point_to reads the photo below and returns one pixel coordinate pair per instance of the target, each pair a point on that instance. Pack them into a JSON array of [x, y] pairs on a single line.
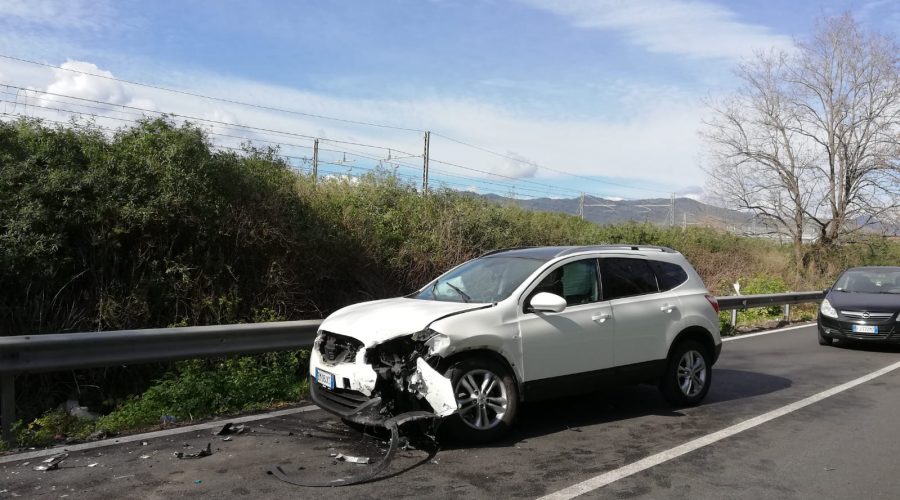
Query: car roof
[[552, 252], [875, 268]]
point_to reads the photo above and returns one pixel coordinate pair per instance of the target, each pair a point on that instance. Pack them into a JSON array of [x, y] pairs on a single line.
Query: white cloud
[[516, 166], [74, 84], [696, 193], [88, 87], [697, 29]]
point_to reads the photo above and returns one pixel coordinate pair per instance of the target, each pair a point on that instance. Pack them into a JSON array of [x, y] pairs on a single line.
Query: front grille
[[874, 316], [341, 401], [339, 348]]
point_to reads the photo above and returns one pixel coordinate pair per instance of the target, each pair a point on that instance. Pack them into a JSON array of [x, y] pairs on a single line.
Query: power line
[[212, 98], [326, 117], [537, 165], [545, 188], [558, 188], [196, 118]]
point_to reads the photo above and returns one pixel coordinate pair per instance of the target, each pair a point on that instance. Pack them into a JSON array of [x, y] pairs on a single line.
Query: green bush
[[198, 389]]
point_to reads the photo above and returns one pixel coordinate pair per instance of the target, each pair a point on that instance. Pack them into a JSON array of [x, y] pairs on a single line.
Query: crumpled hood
[[380, 320]]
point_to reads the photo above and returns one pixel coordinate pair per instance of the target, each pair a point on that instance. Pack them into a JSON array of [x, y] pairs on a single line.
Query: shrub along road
[[840, 445]]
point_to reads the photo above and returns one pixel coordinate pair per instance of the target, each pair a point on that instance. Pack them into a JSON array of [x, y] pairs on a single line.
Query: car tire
[[476, 420], [688, 366], [823, 340]]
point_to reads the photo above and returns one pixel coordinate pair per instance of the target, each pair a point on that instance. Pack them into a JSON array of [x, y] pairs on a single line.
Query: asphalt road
[[844, 445]]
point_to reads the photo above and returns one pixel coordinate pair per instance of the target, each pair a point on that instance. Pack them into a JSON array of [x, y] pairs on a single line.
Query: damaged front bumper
[[368, 386]]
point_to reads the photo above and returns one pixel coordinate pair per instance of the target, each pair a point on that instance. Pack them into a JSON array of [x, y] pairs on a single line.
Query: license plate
[[325, 378], [865, 329]]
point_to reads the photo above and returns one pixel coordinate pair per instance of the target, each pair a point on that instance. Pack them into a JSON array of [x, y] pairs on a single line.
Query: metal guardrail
[[734, 302], [74, 351]]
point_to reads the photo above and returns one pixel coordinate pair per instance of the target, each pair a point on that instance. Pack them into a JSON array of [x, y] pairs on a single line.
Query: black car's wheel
[[688, 374], [823, 340], [487, 397]]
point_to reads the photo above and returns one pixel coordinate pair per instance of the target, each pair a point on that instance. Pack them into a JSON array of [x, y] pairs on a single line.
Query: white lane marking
[[757, 334], [152, 435], [606, 478]]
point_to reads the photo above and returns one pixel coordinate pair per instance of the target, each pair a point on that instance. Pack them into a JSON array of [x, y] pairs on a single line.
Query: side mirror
[[548, 302]]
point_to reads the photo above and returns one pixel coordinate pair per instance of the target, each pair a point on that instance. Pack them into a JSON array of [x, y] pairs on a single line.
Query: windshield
[[484, 280], [869, 281]]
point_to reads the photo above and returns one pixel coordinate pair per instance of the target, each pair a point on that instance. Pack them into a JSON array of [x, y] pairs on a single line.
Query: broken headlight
[[424, 335], [435, 342]]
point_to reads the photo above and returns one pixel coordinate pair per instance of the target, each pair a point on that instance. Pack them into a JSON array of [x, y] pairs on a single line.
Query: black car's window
[[869, 281], [576, 282], [668, 275], [626, 277]]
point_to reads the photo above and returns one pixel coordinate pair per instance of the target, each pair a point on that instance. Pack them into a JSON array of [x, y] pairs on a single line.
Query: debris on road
[[97, 436], [144, 457], [393, 425], [353, 460], [200, 454], [226, 438], [230, 428], [93, 464], [51, 463]]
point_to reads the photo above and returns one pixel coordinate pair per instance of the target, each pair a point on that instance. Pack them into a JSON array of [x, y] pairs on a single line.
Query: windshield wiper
[[461, 293]]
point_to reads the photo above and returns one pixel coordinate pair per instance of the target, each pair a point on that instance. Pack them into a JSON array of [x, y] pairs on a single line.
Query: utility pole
[[670, 212], [425, 164], [582, 204], [672, 215], [315, 165]]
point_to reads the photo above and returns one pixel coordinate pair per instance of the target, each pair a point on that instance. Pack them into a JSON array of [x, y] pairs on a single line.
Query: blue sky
[[610, 90]]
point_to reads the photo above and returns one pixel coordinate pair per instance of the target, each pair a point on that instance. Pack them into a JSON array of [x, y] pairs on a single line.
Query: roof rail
[[588, 248], [498, 250]]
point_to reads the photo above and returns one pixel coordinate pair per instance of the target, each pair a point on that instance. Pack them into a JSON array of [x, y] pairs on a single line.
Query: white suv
[[519, 325]]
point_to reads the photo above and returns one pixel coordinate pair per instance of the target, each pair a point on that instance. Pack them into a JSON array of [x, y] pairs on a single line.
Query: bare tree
[[810, 139]]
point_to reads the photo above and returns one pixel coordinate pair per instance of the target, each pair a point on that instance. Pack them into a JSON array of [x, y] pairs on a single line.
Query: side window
[[626, 277], [576, 282], [668, 275]]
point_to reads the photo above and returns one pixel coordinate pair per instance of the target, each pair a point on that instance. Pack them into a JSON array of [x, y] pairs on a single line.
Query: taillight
[[713, 302]]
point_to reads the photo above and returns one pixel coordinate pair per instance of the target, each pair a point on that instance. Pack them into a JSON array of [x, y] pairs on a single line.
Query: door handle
[[667, 308], [600, 318]]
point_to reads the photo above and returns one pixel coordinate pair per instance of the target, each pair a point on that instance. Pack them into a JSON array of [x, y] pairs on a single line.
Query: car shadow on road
[[625, 403]]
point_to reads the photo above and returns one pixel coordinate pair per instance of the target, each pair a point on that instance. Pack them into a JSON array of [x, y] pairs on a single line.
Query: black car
[[863, 305]]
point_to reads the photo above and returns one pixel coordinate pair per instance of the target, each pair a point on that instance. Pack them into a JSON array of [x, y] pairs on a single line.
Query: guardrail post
[[733, 318], [787, 313], [7, 405]]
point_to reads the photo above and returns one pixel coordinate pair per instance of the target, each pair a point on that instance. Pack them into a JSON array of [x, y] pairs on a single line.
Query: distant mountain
[[655, 211]]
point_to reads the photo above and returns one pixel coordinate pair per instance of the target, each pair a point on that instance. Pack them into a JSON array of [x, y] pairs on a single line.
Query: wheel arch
[[445, 363], [698, 334]]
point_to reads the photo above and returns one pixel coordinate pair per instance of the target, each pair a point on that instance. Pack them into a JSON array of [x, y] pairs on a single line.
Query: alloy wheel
[[691, 373], [482, 399]]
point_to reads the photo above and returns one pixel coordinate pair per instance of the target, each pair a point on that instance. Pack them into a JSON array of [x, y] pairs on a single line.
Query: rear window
[[668, 275], [626, 277]]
